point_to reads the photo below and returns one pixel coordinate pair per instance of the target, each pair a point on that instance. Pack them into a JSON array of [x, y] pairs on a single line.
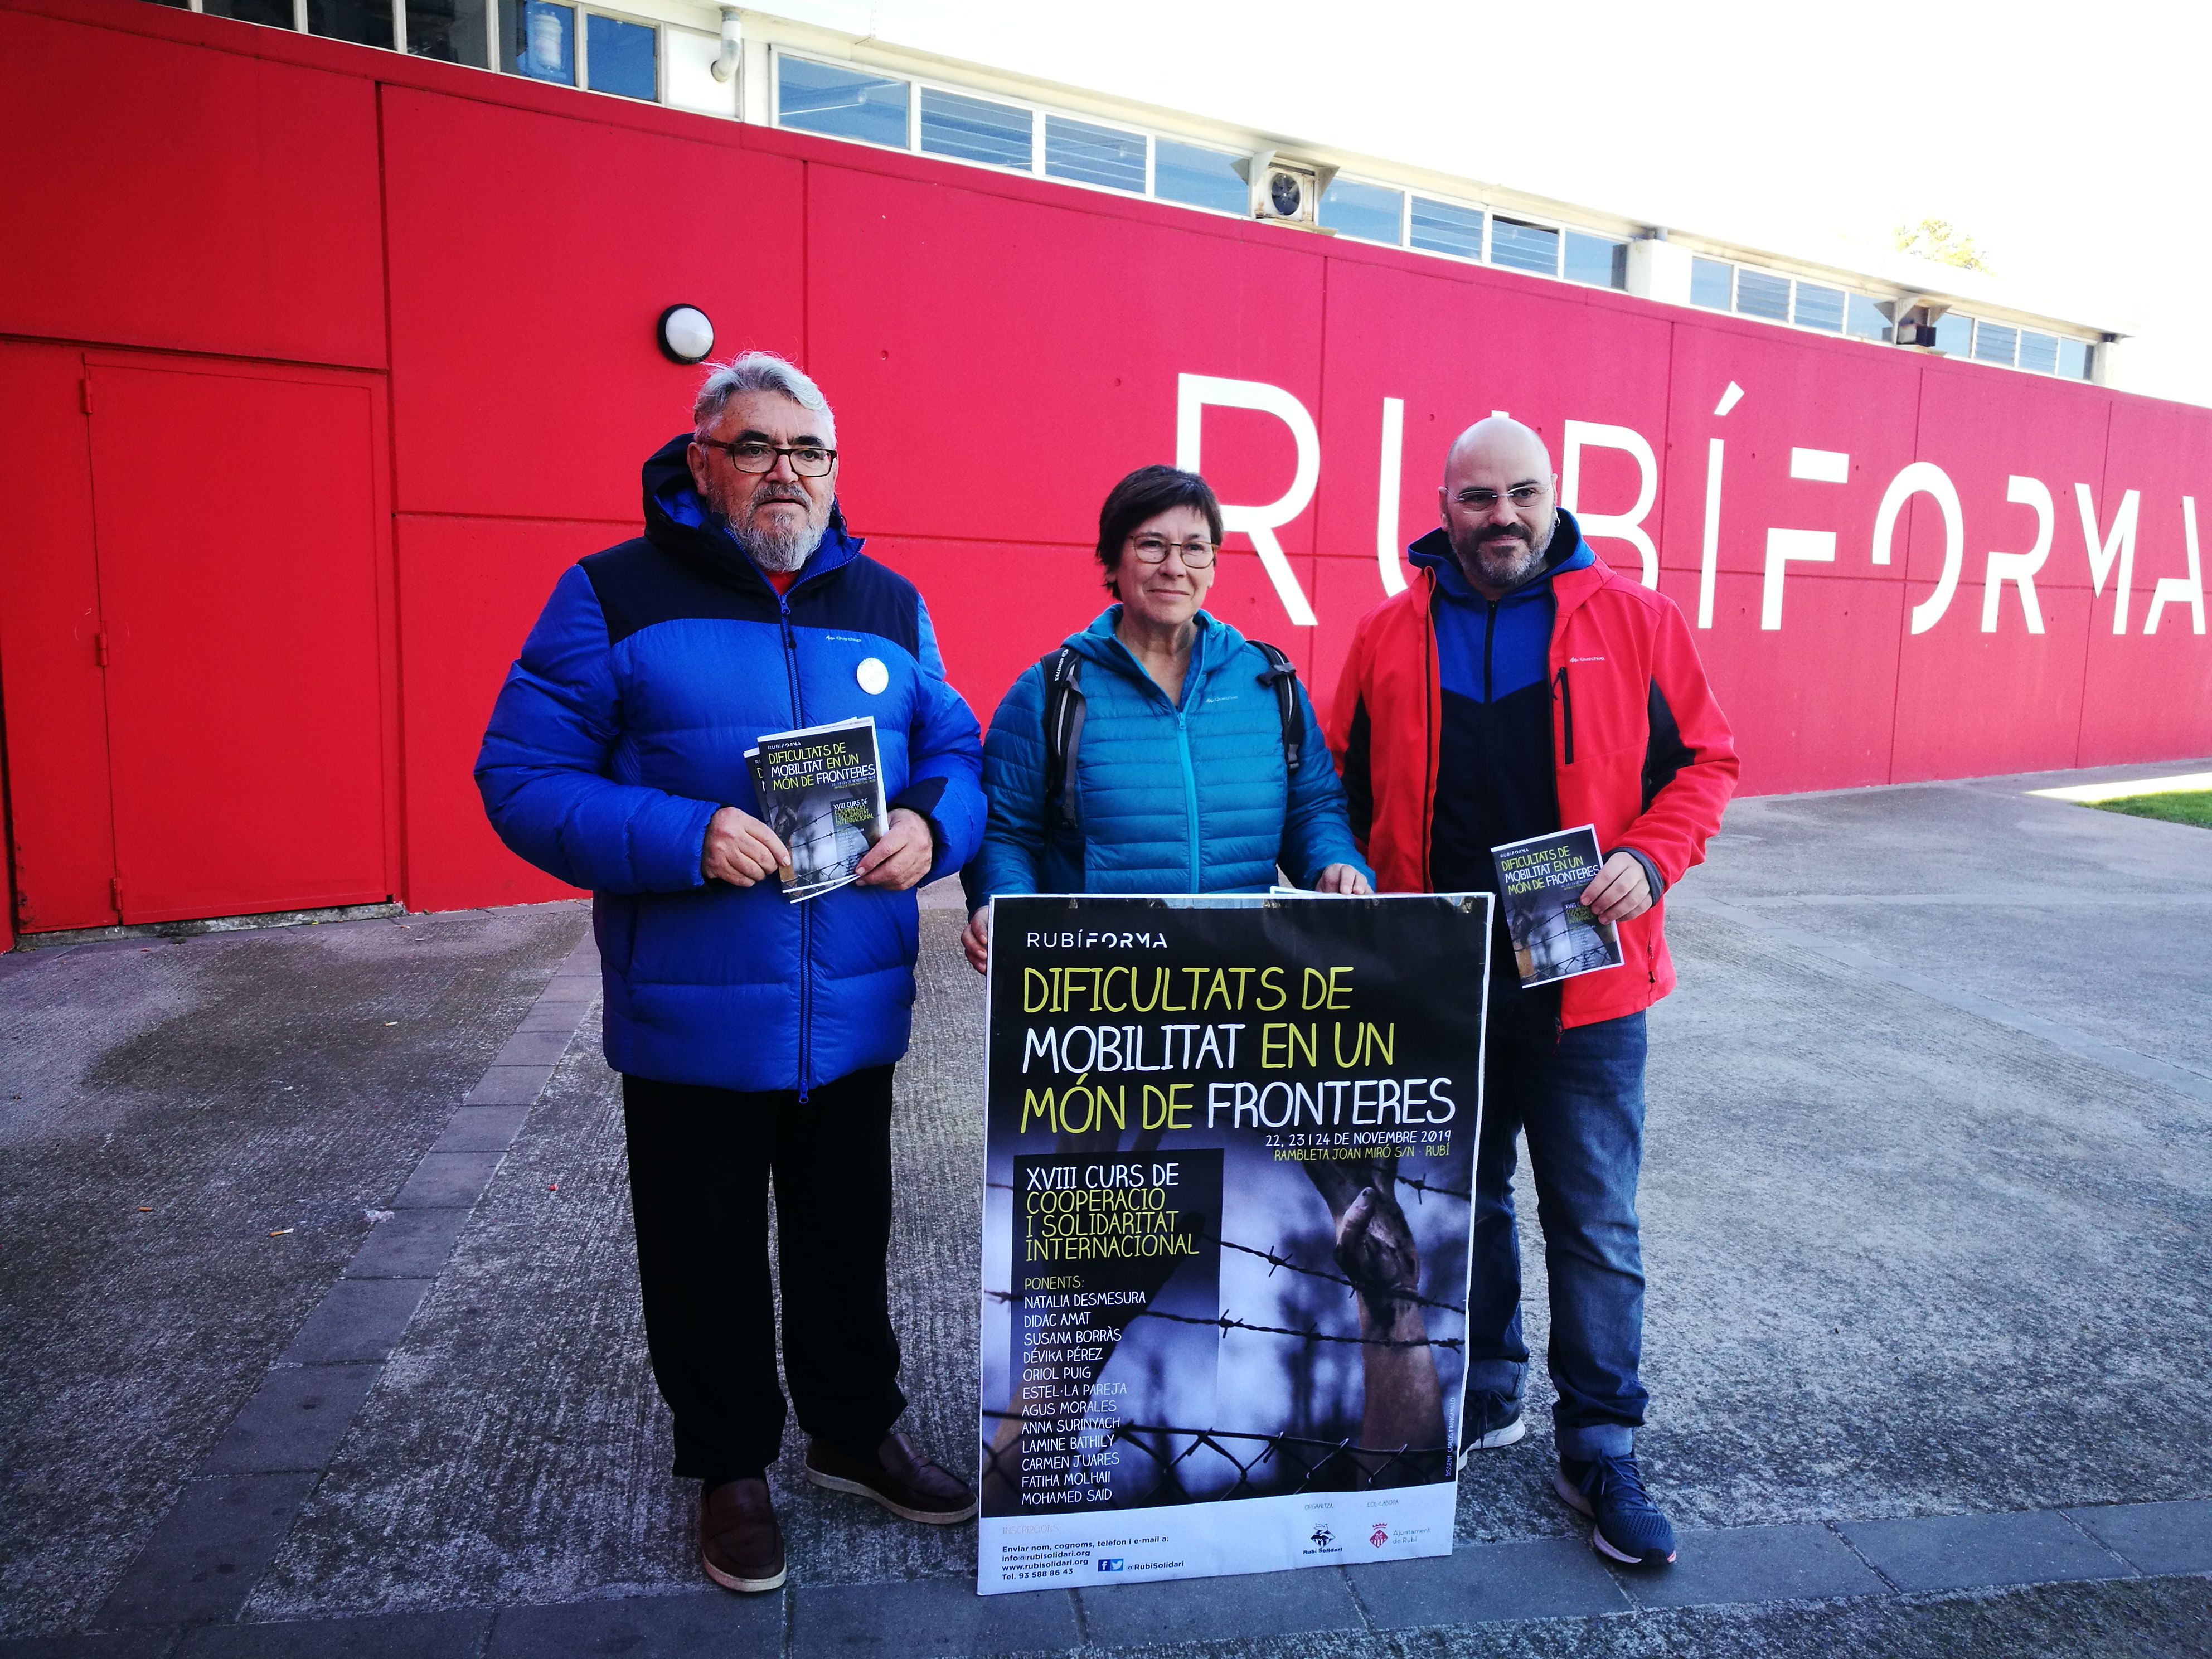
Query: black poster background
[[1234, 1350]]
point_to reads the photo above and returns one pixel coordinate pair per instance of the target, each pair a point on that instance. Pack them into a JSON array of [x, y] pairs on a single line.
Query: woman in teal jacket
[[1180, 781]]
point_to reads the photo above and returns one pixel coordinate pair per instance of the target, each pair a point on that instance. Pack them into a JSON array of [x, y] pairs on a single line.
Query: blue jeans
[[1579, 1095]]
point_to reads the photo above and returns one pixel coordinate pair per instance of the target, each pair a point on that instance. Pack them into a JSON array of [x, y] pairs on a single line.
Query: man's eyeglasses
[[1526, 495], [752, 455], [1197, 553]]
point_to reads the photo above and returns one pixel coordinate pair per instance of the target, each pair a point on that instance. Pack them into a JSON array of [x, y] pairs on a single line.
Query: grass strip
[[2184, 807]]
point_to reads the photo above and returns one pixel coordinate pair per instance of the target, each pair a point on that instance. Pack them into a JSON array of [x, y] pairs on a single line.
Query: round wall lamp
[[685, 334]]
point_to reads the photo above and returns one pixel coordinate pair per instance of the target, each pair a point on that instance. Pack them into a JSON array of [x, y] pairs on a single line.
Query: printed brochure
[[1553, 937], [821, 790]]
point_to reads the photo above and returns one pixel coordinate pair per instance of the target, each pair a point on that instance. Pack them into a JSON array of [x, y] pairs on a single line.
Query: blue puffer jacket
[[623, 728], [1193, 797]]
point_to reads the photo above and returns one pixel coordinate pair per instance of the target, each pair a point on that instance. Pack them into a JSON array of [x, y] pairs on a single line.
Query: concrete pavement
[[1929, 1172]]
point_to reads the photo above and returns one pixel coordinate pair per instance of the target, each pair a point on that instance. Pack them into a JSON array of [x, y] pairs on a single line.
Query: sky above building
[[2067, 141]]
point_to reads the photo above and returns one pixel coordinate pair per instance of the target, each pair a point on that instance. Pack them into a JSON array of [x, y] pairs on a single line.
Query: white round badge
[[873, 676]]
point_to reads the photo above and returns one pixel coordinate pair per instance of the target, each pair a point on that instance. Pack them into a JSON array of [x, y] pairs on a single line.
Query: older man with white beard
[[756, 1037]]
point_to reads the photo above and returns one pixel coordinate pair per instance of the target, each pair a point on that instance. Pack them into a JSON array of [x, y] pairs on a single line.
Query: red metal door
[[236, 516]]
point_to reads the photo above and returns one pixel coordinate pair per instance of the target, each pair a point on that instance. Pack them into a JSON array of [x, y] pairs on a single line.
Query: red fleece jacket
[[1639, 749]]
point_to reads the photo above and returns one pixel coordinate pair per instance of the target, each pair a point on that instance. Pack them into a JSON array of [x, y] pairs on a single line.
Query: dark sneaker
[[1610, 1491], [1490, 1420], [739, 1543], [901, 1478]]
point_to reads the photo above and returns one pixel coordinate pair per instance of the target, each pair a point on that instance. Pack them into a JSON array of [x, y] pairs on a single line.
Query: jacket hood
[[1568, 551], [680, 524]]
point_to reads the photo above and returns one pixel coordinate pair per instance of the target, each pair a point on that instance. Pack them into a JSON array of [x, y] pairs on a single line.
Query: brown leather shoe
[[902, 1479], [739, 1543]]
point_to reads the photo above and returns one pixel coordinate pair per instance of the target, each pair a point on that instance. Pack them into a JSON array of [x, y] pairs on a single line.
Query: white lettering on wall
[[1387, 480], [2119, 542], [1192, 393], [2182, 590], [1925, 479], [1627, 527], [1785, 547], [2020, 569], [1709, 556]]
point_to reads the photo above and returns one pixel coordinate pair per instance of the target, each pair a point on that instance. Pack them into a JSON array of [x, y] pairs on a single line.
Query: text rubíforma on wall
[[1227, 1164]]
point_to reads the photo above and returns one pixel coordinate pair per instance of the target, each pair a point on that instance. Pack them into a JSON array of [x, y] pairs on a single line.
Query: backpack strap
[[1283, 674], [1063, 727]]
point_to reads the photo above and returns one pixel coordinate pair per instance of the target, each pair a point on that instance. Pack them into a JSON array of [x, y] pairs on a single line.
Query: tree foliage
[[1943, 242]]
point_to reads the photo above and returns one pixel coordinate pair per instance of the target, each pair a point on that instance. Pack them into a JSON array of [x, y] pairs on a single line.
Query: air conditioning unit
[[1284, 189]]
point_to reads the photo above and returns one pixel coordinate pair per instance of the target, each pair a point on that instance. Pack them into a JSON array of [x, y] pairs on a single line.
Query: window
[[277, 14], [365, 22], [619, 57], [840, 103], [2073, 359], [2039, 351], [1863, 320], [1995, 343], [451, 31], [1443, 228], [1712, 284], [1819, 307], [974, 129], [1762, 294], [1519, 246], [1198, 178], [1954, 334], [538, 39], [1596, 259], [1092, 155], [1368, 212]]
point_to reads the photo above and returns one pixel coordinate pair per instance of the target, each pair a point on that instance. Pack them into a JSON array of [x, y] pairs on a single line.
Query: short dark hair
[[1145, 493]]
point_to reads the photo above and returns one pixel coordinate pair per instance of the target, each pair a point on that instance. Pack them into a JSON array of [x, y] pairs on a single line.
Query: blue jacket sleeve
[[543, 770], [944, 761], [1316, 833], [1013, 781]]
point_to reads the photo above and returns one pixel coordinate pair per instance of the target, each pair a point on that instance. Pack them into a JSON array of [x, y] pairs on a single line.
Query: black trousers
[[700, 1163]]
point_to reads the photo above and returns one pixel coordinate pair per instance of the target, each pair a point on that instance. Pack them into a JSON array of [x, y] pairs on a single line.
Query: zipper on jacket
[[805, 916], [1189, 794], [1566, 711], [1489, 637]]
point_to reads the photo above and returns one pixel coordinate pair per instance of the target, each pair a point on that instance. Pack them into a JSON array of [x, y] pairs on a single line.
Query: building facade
[[320, 357]]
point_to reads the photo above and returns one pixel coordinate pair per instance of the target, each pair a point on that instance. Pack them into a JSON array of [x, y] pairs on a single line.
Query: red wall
[[998, 351]]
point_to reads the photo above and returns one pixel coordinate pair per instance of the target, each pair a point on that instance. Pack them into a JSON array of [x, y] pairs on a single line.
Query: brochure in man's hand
[[821, 789], [1553, 937]]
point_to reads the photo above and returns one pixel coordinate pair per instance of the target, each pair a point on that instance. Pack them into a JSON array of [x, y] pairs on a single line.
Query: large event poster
[[1228, 1161]]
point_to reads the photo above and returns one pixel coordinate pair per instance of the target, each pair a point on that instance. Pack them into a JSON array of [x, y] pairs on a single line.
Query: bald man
[[1519, 686]]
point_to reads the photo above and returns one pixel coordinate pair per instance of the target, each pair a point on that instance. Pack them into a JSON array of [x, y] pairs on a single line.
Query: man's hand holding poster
[[1229, 1156]]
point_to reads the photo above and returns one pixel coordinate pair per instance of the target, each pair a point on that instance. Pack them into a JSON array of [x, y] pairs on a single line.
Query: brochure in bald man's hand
[[1554, 937], [821, 789]]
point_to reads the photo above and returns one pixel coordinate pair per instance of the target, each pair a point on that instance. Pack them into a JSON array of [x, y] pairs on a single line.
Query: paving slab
[[481, 1129], [2155, 1538], [1754, 1564], [509, 1085], [153, 1643], [206, 1553], [359, 1319], [456, 1634], [707, 1625], [408, 1244], [294, 1421], [1208, 1609], [927, 1619], [1483, 1583], [540, 1046], [445, 1181], [1966, 1551]]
